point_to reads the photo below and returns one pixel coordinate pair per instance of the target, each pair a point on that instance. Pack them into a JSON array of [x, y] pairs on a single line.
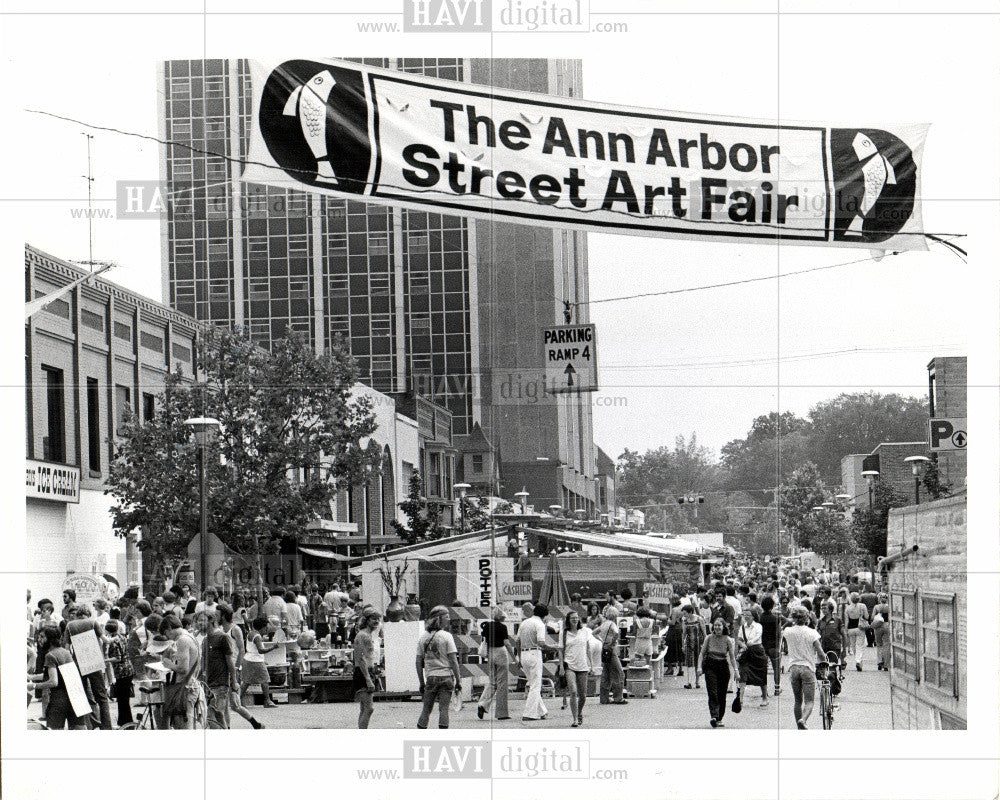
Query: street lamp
[[870, 475], [917, 464], [523, 495], [462, 489], [206, 431]]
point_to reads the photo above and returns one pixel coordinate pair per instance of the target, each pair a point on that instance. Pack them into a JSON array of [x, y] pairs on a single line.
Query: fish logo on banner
[[309, 120], [875, 184]]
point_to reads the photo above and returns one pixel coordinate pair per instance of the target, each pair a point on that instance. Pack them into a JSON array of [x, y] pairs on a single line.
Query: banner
[[394, 138]]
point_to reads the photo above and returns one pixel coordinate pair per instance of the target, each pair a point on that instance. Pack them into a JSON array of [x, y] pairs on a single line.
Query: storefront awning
[[328, 554]]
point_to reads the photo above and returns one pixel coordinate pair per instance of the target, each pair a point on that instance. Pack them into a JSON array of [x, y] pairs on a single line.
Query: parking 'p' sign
[[948, 434]]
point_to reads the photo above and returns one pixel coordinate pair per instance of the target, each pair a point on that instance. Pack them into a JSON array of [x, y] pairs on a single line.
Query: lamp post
[[206, 430], [462, 489], [523, 496], [870, 475], [917, 464]]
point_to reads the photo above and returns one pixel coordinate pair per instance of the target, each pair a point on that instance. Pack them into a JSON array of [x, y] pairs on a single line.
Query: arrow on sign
[[959, 439], [569, 372]]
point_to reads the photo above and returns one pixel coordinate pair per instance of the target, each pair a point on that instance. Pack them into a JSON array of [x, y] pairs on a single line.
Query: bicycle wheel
[[129, 726], [826, 708]]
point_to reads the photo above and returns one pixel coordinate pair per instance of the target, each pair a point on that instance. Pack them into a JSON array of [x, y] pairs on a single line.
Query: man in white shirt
[[531, 640], [804, 651]]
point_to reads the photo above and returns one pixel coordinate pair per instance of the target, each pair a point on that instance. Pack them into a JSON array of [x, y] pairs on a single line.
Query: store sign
[[658, 592], [45, 481], [485, 581], [570, 355], [515, 591], [359, 132], [949, 434]]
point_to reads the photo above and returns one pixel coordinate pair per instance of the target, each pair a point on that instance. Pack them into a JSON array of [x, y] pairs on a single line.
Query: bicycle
[[825, 695], [149, 705]]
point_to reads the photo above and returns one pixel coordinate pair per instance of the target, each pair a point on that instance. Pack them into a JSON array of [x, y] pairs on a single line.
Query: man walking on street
[[804, 651], [78, 620], [219, 665], [531, 639]]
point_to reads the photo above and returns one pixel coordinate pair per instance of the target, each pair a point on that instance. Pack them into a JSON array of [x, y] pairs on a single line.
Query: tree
[[477, 513], [656, 479], [771, 450], [932, 482], [857, 423], [870, 526], [828, 533], [803, 492], [290, 437], [422, 518]]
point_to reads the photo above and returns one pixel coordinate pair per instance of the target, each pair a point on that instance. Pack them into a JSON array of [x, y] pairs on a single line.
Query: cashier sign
[[359, 132]]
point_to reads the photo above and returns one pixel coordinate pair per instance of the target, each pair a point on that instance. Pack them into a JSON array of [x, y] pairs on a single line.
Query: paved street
[[864, 704]]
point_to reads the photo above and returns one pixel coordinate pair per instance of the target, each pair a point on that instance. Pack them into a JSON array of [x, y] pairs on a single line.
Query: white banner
[[360, 132]]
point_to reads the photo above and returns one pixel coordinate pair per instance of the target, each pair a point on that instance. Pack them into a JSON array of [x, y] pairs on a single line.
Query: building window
[[123, 403], [938, 651], [434, 488], [477, 462], [54, 443], [151, 342], [903, 624], [148, 407], [92, 320], [123, 331], [181, 352], [94, 425]]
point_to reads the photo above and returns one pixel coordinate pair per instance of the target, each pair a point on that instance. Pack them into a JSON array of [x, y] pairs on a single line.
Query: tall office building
[[430, 304]]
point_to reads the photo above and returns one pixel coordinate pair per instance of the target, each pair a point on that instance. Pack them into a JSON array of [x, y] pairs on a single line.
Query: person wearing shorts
[[804, 652]]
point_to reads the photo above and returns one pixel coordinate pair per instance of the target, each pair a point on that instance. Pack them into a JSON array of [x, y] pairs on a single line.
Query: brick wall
[[938, 569], [894, 470], [951, 379]]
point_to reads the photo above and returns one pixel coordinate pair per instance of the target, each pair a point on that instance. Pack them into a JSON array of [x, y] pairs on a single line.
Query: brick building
[[948, 391], [91, 356], [926, 567]]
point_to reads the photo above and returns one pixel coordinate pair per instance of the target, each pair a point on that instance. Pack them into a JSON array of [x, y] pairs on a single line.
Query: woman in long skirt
[[694, 634], [752, 656], [674, 657]]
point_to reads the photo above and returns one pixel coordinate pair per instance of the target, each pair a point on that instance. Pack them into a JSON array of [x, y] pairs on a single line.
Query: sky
[[705, 362]]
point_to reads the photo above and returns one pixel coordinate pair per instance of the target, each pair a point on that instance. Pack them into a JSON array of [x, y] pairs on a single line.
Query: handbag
[[173, 695], [607, 650], [738, 703], [863, 624]]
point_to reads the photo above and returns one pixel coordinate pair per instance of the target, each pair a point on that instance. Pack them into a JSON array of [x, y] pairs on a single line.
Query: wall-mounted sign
[[658, 592], [515, 591], [949, 434], [47, 481], [363, 133]]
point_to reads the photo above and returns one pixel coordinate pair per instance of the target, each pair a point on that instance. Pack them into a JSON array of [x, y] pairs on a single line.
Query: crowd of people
[[750, 625], [205, 652]]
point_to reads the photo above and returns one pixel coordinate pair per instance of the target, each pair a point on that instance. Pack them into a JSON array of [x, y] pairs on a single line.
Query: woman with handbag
[[717, 662], [612, 674], [857, 624]]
